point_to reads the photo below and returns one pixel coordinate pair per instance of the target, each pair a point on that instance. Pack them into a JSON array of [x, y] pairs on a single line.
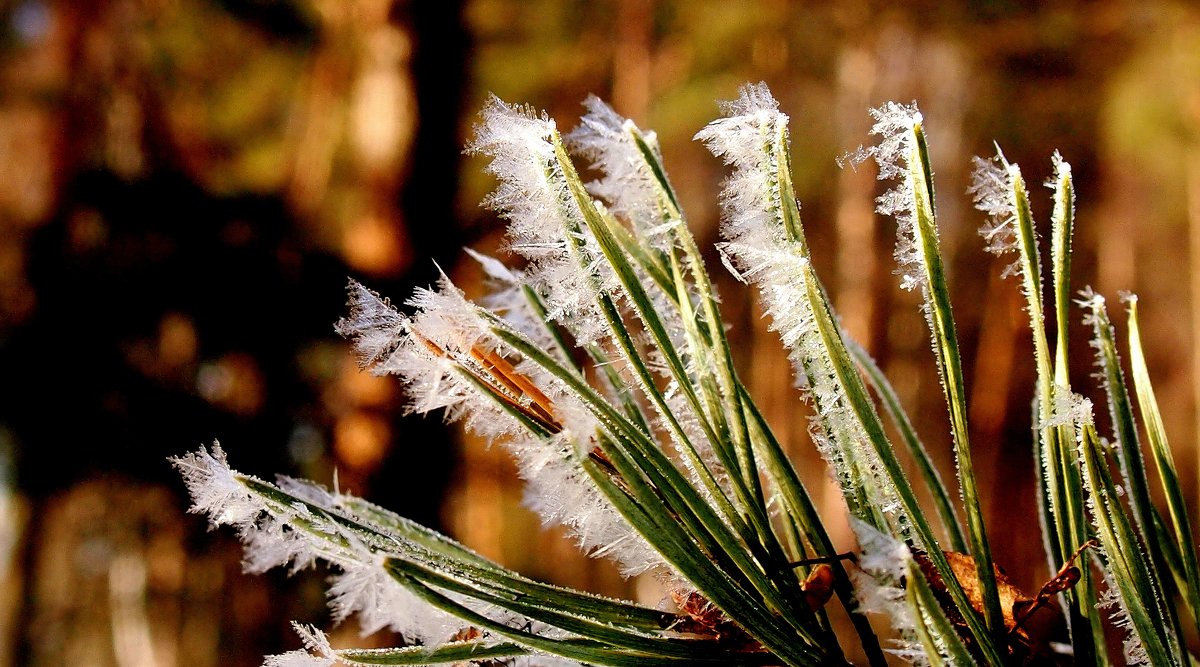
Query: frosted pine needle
[[1064, 207], [751, 139], [448, 359], [631, 191], [764, 250], [279, 533], [545, 223]]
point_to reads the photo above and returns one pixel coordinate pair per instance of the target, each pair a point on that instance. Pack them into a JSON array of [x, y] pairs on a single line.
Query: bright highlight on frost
[[602, 365]]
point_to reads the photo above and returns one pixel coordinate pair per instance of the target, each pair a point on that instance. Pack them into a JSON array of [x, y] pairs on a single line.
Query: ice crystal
[[896, 155], [316, 653], [761, 252], [281, 533], [606, 139], [1132, 648], [449, 360], [879, 585], [992, 190], [546, 224], [750, 139]]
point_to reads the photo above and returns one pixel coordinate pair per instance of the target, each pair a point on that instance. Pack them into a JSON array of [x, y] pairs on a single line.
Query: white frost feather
[[316, 653], [507, 298], [630, 190], [745, 139], [759, 249], [546, 224], [879, 588], [373, 324], [633, 194], [557, 488], [896, 125], [992, 190], [276, 534]]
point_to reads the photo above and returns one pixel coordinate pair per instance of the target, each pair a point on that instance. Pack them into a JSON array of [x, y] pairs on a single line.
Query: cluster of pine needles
[[604, 367]]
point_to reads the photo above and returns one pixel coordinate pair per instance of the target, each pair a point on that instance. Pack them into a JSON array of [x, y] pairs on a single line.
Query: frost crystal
[[992, 190], [761, 251], [750, 139], [606, 139], [1131, 645], [1070, 409], [449, 359], [507, 298], [373, 324], [546, 224], [632, 191], [316, 652], [896, 152], [879, 584], [278, 533]]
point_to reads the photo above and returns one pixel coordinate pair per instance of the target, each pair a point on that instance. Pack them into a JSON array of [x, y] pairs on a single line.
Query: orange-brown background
[[186, 184]]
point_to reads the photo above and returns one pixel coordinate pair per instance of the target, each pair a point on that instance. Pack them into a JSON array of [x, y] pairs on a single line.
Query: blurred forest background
[[185, 186]]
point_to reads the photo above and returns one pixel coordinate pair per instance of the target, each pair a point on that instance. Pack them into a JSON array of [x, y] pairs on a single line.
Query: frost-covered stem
[[1137, 594], [1029, 263], [766, 246], [448, 358], [652, 645], [849, 377], [789, 210], [282, 528], [713, 330], [538, 306], [480, 652], [939, 637], [904, 154], [761, 221], [1031, 283], [729, 448], [599, 358], [800, 508], [714, 327], [891, 404], [1128, 446], [786, 211], [539, 181], [1000, 191], [581, 649], [699, 515], [1062, 228], [636, 187], [1062, 464], [649, 317], [765, 544], [1164, 462], [945, 348], [637, 503], [422, 584], [889, 581]]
